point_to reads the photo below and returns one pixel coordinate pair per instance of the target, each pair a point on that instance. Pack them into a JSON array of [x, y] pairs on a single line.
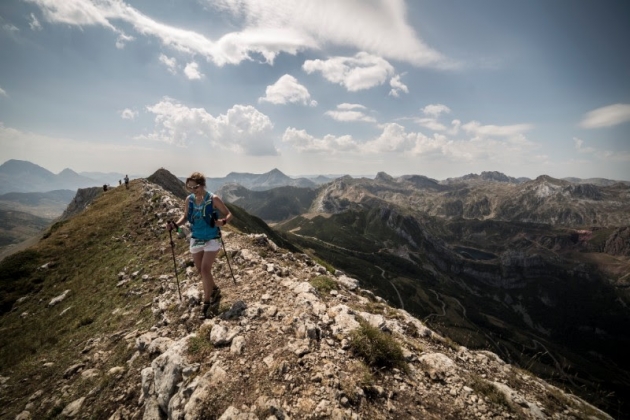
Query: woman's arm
[[184, 217]]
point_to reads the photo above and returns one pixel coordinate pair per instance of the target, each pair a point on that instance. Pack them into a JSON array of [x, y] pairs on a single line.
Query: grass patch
[[324, 284], [115, 225], [376, 348], [487, 389], [200, 347]]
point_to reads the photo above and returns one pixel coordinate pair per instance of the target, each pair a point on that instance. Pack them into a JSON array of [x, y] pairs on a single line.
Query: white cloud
[[243, 129], [304, 142], [192, 71], [76, 12], [579, 146], [170, 63], [122, 40], [435, 110], [271, 27], [433, 113], [475, 128], [34, 23], [347, 106], [128, 114], [395, 140], [619, 156], [347, 112], [363, 71], [11, 28], [3, 93], [287, 90], [431, 124], [606, 116], [379, 27], [397, 86]]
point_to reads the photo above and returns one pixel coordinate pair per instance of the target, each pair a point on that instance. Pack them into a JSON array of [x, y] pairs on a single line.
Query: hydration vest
[[206, 211]]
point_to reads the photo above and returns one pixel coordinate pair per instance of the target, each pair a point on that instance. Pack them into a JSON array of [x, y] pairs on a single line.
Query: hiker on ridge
[[199, 211], [127, 181]]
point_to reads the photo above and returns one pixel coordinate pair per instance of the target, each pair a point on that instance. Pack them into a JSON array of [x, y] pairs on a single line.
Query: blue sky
[[437, 88]]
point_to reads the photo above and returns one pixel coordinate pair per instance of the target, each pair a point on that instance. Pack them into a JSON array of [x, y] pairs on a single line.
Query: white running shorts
[[198, 245]]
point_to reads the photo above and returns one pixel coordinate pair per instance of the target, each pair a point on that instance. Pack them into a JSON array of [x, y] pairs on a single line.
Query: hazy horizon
[[295, 176]]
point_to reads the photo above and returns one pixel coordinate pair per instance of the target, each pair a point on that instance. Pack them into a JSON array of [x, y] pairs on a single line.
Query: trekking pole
[[226, 255], [170, 234]]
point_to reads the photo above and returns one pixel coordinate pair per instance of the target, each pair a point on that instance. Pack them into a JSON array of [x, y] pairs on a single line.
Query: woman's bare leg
[[203, 262]]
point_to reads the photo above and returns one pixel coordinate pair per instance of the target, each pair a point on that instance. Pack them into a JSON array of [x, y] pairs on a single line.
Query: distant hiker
[[127, 181], [104, 187], [199, 211], [119, 182]]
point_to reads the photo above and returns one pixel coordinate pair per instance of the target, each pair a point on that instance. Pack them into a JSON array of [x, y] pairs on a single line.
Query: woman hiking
[[199, 211]]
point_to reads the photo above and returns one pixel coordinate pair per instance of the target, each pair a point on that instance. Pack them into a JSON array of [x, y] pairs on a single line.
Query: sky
[[440, 88]]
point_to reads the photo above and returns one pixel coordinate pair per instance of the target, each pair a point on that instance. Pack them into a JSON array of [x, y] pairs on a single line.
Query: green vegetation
[[83, 255], [377, 348], [487, 389], [200, 347], [324, 284]]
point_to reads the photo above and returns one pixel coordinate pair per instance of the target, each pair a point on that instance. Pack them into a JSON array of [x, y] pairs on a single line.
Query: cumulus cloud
[[287, 90], [242, 129], [170, 63], [128, 114], [348, 112], [192, 71], [434, 110], [431, 124], [431, 115], [363, 71], [397, 86], [34, 23], [395, 139], [606, 116], [301, 141]]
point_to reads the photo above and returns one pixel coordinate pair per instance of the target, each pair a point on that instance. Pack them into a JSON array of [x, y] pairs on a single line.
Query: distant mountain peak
[[383, 176], [68, 171]]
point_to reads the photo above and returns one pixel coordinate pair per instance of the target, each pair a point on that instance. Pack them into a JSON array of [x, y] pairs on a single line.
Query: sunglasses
[[193, 187]]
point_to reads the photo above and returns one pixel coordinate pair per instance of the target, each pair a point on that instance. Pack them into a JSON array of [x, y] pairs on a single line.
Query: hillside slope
[[99, 331]]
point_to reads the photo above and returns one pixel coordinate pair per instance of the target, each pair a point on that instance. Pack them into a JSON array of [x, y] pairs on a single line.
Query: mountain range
[[341, 314], [536, 270], [23, 176]]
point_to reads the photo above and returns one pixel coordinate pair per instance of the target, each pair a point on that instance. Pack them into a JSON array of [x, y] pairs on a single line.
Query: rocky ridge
[[543, 200], [281, 348]]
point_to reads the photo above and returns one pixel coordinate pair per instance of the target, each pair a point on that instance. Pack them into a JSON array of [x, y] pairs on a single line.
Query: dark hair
[[198, 178]]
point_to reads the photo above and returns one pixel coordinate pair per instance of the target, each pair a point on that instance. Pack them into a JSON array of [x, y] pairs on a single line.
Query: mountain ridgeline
[[535, 270]]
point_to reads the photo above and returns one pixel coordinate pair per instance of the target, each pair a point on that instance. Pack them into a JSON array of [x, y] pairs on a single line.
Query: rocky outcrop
[[169, 182], [618, 243], [83, 198]]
